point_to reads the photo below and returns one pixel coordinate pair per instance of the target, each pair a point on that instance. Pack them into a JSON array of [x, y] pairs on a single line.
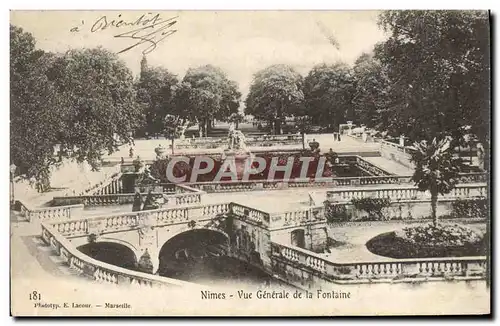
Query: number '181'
[[35, 296]]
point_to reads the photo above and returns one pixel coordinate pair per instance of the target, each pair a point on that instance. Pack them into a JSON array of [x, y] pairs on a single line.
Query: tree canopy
[[32, 116], [155, 94], [370, 99], [328, 93], [99, 103], [206, 93], [82, 101], [275, 93], [438, 66]]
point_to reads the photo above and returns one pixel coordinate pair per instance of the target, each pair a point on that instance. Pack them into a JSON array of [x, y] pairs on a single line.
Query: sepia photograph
[[250, 163]]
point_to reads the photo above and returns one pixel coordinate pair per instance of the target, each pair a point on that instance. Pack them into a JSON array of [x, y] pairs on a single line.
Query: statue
[[231, 136], [314, 145], [183, 131], [138, 164], [145, 264], [150, 202], [160, 152], [136, 206], [480, 156], [236, 139]]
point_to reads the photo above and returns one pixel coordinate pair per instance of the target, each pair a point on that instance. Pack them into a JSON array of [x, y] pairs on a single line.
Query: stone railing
[[390, 270], [287, 219], [205, 142], [179, 195], [273, 140], [252, 214], [51, 213], [475, 177], [99, 200], [250, 141], [184, 198], [132, 220], [111, 185], [370, 168], [397, 153], [236, 186], [101, 272], [402, 193], [159, 217]]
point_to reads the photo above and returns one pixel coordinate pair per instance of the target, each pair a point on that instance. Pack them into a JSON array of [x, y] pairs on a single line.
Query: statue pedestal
[[240, 158]]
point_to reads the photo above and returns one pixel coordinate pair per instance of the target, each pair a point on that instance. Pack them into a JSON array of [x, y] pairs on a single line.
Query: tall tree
[[328, 93], [100, 108], [205, 94], [370, 100], [438, 64], [275, 93], [35, 110], [155, 94]]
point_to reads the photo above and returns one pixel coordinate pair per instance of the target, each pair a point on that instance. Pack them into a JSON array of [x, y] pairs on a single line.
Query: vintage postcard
[[250, 163]]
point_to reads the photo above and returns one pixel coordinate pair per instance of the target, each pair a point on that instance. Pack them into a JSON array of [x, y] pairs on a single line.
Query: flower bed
[[424, 241]]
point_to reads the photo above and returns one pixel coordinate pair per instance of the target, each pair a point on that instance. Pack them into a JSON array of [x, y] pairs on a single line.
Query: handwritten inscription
[[148, 29]]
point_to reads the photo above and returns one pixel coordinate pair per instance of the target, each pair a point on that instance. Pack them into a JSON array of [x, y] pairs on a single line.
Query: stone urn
[[160, 151]]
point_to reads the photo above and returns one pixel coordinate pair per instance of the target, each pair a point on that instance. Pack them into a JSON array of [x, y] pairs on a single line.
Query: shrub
[[443, 240], [440, 235], [336, 212], [373, 206], [475, 208]]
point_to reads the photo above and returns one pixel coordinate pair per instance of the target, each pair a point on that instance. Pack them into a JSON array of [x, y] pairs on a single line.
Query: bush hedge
[[424, 241], [475, 208]]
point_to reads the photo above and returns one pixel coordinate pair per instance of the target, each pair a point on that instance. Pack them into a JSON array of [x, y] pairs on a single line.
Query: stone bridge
[[242, 232]]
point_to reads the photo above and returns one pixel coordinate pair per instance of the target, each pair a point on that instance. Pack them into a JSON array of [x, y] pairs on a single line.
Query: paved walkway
[[271, 201], [389, 165], [68, 180]]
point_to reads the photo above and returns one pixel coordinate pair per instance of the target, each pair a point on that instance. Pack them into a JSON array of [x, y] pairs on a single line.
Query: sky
[[239, 42]]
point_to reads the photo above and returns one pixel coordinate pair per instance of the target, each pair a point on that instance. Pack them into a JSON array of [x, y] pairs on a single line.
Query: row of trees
[[79, 101], [167, 103], [86, 103], [430, 77]]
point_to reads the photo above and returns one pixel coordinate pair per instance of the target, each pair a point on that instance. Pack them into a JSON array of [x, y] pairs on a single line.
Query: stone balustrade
[[99, 200], [181, 198], [171, 188], [185, 214], [389, 270], [474, 177], [186, 198], [250, 185], [183, 188], [297, 217], [111, 185], [397, 153], [101, 272], [252, 214], [129, 221], [402, 193], [51, 213], [250, 141], [370, 168]]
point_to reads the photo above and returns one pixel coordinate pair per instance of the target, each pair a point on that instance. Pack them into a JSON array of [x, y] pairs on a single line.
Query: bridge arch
[[191, 245], [121, 242], [111, 251]]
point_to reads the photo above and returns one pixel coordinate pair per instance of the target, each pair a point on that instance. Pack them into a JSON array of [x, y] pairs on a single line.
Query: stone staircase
[[317, 198]]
